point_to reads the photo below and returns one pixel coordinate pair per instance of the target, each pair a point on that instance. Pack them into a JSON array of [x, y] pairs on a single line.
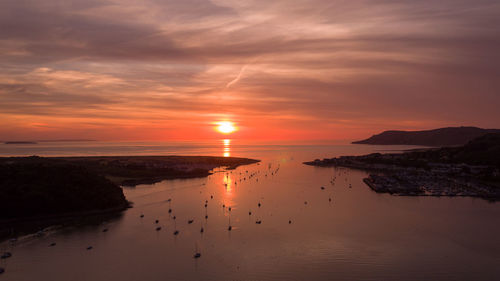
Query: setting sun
[[226, 127]]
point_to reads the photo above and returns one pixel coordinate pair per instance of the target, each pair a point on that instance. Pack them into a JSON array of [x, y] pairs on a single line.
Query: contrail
[[237, 77]]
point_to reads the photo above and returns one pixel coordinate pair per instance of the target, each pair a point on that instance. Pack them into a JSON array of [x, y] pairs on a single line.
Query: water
[[359, 235]]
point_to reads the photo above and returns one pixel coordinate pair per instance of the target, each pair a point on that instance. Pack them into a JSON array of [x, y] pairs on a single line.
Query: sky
[[280, 70]]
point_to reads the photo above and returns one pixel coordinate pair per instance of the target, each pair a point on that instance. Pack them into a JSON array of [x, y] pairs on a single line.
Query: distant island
[[39, 187], [56, 140], [451, 136], [470, 170]]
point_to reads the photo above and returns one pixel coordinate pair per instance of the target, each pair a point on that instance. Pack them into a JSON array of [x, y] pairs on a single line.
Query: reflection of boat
[[197, 253]]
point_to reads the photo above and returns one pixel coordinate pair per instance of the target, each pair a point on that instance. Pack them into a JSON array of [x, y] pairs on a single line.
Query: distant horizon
[[232, 137]]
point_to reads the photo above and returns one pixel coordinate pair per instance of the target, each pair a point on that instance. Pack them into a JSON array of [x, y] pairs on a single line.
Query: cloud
[[313, 63], [238, 77]]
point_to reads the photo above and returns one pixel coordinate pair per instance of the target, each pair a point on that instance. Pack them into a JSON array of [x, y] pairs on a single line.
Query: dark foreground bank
[[39, 188]]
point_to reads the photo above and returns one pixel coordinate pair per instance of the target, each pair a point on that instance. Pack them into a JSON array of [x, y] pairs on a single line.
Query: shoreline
[[50, 176], [11, 228], [422, 179], [134, 170]]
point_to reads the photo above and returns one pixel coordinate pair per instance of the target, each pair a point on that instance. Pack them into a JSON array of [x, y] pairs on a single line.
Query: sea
[[284, 226]]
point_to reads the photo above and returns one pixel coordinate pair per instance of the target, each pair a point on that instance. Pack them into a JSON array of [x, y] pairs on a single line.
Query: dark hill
[[484, 150], [452, 136], [39, 187]]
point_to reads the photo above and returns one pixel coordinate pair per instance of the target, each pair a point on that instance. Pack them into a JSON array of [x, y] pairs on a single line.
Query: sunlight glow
[[226, 127]]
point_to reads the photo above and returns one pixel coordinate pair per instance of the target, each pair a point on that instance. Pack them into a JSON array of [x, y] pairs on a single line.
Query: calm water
[[359, 235]]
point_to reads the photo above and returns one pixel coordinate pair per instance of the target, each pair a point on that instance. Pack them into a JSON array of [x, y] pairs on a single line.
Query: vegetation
[[37, 186], [484, 150], [134, 170], [42, 187]]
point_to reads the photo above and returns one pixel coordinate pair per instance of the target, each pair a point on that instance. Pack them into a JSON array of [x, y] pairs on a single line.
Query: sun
[[226, 127]]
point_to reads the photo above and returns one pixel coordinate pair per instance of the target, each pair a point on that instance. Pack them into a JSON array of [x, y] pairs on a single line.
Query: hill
[[40, 187], [451, 136], [484, 150]]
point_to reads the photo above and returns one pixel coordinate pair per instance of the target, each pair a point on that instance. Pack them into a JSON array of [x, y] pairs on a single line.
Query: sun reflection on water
[[228, 183], [226, 147]]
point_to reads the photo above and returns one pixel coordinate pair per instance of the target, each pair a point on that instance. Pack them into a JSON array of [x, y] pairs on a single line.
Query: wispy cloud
[[238, 77]]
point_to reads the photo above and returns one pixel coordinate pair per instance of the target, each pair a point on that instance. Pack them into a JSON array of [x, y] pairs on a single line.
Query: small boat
[[197, 255], [105, 230], [2, 270], [52, 244], [90, 248], [229, 228], [6, 255], [158, 228], [190, 221], [157, 221], [142, 215], [176, 232], [258, 222]]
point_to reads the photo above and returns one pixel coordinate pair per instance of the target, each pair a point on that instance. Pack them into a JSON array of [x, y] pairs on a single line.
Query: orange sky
[[285, 69]]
